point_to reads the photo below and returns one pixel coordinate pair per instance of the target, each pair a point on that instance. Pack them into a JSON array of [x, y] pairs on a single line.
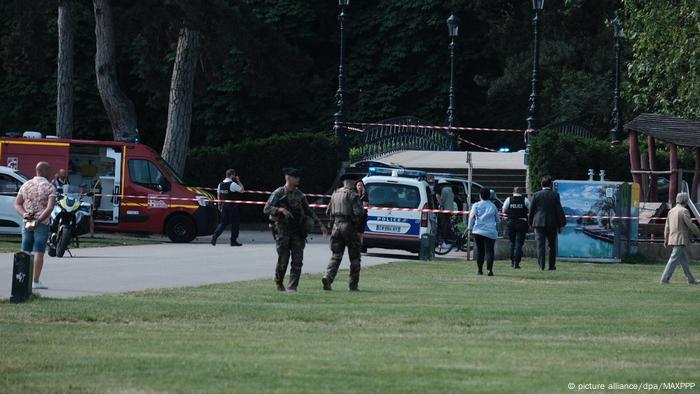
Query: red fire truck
[[135, 190]]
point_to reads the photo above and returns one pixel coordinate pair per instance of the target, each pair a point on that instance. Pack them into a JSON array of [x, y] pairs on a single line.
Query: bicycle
[[460, 242]]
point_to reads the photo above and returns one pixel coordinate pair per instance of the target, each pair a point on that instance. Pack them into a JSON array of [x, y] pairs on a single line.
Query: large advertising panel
[[601, 223]]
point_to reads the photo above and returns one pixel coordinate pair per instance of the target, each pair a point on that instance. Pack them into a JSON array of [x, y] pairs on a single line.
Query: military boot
[[326, 283], [280, 271], [354, 275], [293, 282]]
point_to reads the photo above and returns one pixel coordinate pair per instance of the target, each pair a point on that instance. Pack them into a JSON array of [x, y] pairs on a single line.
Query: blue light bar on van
[[402, 172]]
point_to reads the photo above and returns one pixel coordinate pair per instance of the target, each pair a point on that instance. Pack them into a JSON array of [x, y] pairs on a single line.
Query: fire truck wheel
[[180, 229]]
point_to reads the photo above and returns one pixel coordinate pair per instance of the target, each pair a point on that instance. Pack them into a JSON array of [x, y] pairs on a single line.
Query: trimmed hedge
[[566, 156], [259, 164]]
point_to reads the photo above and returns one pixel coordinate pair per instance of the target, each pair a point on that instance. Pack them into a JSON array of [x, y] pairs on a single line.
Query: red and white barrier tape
[[247, 202], [477, 145], [602, 217], [453, 212], [265, 193], [430, 127]]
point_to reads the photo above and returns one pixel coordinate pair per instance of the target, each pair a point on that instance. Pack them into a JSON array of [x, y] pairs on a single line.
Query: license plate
[[389, 229]]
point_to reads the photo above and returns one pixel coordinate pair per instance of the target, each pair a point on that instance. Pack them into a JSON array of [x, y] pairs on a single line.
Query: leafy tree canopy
[[269, 66]]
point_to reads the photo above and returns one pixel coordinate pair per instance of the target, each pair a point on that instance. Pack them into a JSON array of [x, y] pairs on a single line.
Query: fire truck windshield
[[170, 170]]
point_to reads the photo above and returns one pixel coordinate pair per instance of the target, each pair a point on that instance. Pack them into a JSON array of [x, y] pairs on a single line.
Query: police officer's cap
[[350, 177], [292, 171]]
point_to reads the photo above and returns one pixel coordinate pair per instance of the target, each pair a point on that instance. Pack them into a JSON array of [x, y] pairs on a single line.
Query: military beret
[[350, 177]]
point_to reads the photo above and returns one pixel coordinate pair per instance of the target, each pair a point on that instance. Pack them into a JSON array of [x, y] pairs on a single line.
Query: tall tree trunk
[[119, 108], [64, 91], [696, 178], [177, 134]]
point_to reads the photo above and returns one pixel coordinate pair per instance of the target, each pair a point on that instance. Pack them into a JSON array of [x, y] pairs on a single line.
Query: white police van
[[396, 229]]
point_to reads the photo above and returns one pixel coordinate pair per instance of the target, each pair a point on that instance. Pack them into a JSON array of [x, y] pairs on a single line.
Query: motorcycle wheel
[[51, 244], [63, 241]]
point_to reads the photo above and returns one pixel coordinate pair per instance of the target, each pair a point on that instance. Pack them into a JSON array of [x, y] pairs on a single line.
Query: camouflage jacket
[[345, 205], [303, 217]]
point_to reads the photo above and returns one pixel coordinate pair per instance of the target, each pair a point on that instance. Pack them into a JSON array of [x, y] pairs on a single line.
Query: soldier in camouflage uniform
[[346, 213], [292, 220]]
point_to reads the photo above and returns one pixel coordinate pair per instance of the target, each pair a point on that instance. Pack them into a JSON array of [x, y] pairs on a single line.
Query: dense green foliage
[[566, 156], [260, 162], [269, 66], [665, 70], [430, 327]]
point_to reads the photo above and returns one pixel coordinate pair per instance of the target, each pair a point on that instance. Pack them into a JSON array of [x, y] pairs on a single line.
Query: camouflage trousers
[[345, 235], [289, 245]]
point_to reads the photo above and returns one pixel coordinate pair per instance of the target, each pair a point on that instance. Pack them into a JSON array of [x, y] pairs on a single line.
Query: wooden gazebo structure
[[676, 132]]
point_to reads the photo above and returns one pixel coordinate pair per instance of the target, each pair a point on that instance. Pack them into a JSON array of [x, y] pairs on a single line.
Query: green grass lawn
[[11, 243], [416, 327]]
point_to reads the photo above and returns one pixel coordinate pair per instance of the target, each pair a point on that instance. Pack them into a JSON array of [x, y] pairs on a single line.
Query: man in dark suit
[[546, 217]]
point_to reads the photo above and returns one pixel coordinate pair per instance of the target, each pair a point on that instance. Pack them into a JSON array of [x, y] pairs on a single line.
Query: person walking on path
[[483, 222], [346, 213], [677, 234], [547, 217], [515, 208], [228, 190], [35, 201], [292, 220]]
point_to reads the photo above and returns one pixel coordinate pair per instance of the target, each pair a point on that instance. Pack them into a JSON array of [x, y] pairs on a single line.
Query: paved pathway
[[95, 271]]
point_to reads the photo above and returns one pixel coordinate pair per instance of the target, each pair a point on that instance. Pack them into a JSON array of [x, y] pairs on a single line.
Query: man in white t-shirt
[[228, 190]]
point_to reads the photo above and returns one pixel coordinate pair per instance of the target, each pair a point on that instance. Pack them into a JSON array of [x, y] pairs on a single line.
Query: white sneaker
[[444, 245], [39, 286]]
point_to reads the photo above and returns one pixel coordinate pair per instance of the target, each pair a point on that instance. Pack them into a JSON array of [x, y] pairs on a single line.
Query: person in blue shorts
[[35, 201]]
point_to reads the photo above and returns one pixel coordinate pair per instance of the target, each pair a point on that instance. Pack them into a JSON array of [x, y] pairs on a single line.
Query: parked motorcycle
[[70, 218]]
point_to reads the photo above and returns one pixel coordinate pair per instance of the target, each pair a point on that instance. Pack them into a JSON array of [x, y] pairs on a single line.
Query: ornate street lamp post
[[339, 125], [532, 120], [616, 130], [453, 30]]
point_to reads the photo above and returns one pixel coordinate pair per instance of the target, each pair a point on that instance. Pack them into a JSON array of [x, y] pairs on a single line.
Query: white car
[[10, 182]]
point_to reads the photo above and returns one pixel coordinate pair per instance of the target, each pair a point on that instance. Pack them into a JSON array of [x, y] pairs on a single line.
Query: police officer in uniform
[[346, 212], [516, 209], [292, 220], [228, 190]]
